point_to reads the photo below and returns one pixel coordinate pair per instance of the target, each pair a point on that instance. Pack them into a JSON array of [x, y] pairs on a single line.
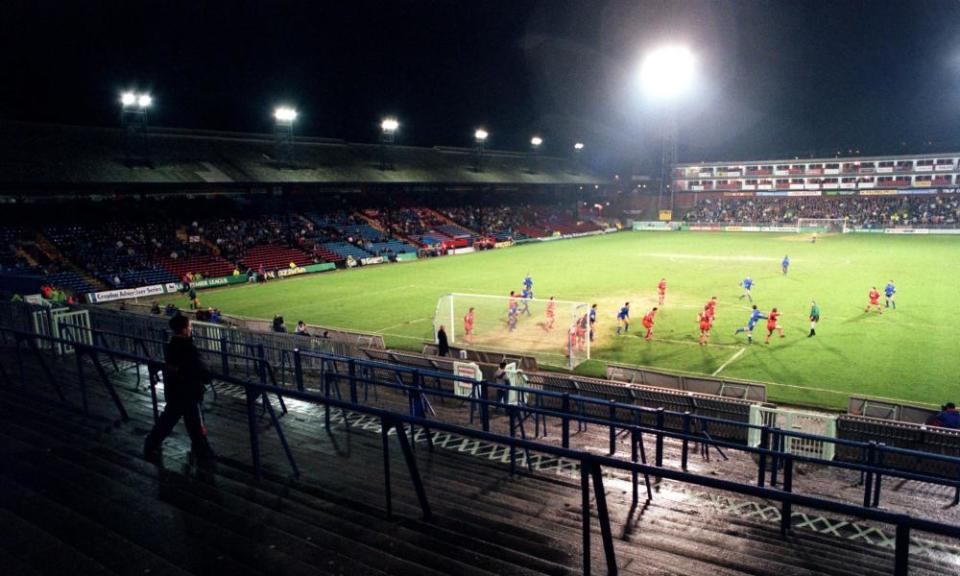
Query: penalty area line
[[730, 360]]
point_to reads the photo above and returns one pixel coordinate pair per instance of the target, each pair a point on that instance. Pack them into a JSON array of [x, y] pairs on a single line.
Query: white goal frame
[[446, 313], [822, 222]]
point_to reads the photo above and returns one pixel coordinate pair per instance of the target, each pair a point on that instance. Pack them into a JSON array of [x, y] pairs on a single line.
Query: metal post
[[298, 369], [778, 444], [513, 451], [685, 449], [565, 419], [385, 440], [786, 511], [879, 479], [902, 554], [868, 482], [764, 446], [603, 517], [414, 472], [352, 369], [252, 424], [484, 407], [585, 514], [613, 427], [659, 457], [634, 475]]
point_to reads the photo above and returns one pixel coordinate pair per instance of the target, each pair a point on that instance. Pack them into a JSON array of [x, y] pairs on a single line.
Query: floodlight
[[667, 72], [128, 98], [144, 100], [480, 135], [536, 141], [285, 114], [578, 146], [389, 125]]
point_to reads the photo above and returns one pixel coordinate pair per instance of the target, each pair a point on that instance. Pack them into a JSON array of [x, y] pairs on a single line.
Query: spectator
[[278, 325], [185, 378], [302, 329], [214, 315], [500, 378], [155, 308], [948, 417], [443, 347]]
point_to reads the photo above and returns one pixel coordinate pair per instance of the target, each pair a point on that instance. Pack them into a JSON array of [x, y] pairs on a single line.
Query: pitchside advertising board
[[175, 287]]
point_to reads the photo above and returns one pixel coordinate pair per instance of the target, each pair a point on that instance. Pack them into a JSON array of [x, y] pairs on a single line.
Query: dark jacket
[[949, 418], [184, 375], [443, 347]]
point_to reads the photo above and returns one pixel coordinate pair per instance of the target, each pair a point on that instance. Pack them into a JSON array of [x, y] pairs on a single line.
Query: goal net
[[822, 225], [555, 332]]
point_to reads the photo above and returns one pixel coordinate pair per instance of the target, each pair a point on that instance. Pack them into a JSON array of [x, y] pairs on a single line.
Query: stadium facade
[[875, 175]]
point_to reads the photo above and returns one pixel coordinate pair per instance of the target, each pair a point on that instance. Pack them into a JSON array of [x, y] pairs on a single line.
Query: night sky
[[776, 78]]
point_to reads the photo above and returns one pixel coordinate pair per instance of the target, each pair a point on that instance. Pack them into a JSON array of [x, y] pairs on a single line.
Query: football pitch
[[911, 353]]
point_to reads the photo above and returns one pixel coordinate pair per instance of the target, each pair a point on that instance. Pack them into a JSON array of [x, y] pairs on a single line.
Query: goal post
[[555, 332], [822, 225]]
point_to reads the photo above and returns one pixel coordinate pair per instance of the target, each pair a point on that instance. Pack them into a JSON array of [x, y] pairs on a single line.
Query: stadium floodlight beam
[[283, 132], [480, 138], [578, 146], [668, 72], [388, 129], [285, 114], [536, 141], [133, 118], [389, 125], [130, 99]]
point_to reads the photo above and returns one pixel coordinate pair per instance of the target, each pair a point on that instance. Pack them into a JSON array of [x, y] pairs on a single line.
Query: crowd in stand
[[233, 236], [127, 242], [865, 211]]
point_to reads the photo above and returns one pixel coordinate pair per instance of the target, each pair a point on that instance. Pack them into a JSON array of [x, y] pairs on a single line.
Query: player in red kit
[[551, 314], [772, 324], [662, 290], [712, 308], [874, 296], [648, 323], [468, 325], [703, 318]]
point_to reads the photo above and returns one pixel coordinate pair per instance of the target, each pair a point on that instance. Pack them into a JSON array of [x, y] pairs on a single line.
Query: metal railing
[[591, 465], [298, 369]]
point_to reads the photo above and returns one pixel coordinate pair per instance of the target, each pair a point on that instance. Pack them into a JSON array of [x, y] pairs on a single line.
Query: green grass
[[910, 354]]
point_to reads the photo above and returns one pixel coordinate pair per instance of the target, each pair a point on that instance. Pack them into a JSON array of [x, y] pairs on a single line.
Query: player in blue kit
[[528, 284], [785, 265], [526, 295], [623, 317], [889, 291], [755, 316], [593, 319], [747, 284]]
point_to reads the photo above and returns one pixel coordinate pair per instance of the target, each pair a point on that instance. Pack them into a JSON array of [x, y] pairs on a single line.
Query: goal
[[822, 225], [557, 334]]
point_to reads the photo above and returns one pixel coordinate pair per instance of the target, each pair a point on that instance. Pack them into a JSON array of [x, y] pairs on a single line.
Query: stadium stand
[[940, 210], [78, 497]]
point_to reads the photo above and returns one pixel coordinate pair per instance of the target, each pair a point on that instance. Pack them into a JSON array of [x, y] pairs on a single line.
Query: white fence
[[796, 421]]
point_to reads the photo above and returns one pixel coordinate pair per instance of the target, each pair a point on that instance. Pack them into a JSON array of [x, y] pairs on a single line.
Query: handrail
[[581, 416]]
